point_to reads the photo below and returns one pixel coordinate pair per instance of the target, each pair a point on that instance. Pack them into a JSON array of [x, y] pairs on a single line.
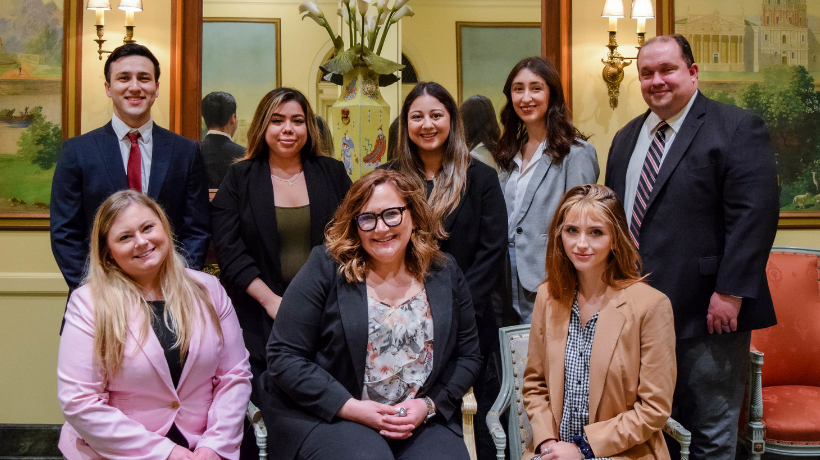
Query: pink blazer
[[128, 418]]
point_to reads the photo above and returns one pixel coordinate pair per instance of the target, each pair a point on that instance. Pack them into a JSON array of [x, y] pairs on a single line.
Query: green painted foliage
[[40, 143]]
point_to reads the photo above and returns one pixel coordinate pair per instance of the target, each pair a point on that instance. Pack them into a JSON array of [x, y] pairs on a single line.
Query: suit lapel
[[317, 197], [440, 298], [352, 301], [557, 330], [622, 154], [152, 350], [607, 331], [109, 149], [160, 160], [538, 175], [689, 128], [260, 196]]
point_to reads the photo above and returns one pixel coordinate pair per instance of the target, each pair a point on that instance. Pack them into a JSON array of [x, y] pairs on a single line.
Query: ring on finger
[[402, 411]]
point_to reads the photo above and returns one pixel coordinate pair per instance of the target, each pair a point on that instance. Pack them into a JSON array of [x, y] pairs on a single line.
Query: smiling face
[[287, 132], [530, 97], [133, 89], [667, 84], [138, 244], [428, 124], [386, 245], [587, 241]]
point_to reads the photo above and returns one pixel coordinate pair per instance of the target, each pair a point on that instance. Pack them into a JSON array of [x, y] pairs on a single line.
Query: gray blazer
[[546, 188]]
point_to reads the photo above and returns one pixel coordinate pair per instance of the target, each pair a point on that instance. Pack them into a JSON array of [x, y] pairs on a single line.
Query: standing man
[[699, 185], [129, 152], [218, 149]]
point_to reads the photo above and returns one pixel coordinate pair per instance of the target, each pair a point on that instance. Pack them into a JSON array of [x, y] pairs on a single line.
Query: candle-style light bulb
[[100, 17], [99, 6], [129, 18]]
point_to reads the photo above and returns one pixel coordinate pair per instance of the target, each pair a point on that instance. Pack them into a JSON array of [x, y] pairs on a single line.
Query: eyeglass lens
[[391, 217]]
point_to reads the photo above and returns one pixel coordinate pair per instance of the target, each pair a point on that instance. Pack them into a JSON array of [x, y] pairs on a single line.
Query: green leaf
[[343, 62], [379, 64]]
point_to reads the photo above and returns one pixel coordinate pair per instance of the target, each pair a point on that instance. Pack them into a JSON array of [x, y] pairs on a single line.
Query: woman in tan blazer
[[601, 368]]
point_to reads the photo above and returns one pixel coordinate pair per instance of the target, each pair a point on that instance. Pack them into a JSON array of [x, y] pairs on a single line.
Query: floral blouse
[[399, 349]]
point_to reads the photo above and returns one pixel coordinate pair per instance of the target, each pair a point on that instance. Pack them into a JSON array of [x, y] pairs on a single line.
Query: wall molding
[[33, 283]]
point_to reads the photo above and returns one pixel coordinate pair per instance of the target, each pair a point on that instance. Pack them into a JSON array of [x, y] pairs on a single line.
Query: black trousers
[[346, 440]]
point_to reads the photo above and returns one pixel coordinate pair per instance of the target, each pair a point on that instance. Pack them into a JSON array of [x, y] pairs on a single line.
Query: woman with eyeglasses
[[375, 342]]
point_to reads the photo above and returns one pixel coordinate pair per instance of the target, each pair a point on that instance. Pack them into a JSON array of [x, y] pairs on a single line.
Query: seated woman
[[375, 342], [601, 368], [151, 363]]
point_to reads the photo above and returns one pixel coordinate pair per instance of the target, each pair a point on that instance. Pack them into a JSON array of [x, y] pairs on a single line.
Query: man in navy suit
[[218, 149], [129, 152], [699, 185]]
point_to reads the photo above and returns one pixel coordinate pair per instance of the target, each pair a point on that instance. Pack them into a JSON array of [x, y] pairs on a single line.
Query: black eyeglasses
[[391, 217]]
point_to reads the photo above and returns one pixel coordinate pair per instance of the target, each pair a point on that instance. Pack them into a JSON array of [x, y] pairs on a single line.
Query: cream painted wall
[[591, 111]]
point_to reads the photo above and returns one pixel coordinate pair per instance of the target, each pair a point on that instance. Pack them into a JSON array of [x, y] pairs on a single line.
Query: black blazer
[[219, 152], [245, 235], [477, 239], [90, 169], [712, 214], [318, 348]]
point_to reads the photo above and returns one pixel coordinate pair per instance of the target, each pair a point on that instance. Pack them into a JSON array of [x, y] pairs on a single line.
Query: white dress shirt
[[650, 127], [518, 182], [145, 142], [216, 131]]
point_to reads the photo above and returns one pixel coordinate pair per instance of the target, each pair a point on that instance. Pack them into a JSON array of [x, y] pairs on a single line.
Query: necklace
[[292, 179]]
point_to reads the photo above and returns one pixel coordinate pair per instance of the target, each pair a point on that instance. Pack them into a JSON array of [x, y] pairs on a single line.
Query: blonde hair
[[342, 235], [449, 186], [623, 266], [115, 294], [270, 103]]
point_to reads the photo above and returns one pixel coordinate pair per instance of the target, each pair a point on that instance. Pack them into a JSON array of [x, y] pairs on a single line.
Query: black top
[[219, 152], [167, 338]]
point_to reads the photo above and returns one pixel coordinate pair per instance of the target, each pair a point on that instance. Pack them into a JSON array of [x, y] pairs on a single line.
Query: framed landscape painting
[[764, 56]]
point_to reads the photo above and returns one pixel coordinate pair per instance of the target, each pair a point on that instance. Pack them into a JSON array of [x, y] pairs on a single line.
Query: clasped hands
[[385, 418], [559, 450], [202, 453]]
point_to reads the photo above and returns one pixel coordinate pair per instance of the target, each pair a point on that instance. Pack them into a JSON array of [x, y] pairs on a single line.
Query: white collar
[[539, 152], [222, 133], [121, 129], [674, 121]]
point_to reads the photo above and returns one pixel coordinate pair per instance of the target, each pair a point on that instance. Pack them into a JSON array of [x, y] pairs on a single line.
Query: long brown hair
[[448, 187], [561, 133], [623, 266], [270, 103], [115, 294], [342, 235], [480, 124]]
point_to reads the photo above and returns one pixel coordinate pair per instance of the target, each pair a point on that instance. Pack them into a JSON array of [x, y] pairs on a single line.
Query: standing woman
[[541, 156], [481, 130], [271, 210]]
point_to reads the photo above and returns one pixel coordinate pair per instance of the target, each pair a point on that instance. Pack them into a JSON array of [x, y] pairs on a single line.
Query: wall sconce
[[614, 63], [129, 6]]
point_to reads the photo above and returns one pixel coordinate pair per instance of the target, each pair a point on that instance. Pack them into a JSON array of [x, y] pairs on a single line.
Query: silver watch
[[431, 408]]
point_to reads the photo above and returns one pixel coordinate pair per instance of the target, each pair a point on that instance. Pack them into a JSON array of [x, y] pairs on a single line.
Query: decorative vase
[[361, 118]]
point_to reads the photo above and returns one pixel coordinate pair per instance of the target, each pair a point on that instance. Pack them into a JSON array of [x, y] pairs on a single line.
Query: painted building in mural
[[783, 33]]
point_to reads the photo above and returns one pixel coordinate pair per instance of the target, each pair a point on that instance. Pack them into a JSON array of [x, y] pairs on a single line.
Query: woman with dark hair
[[481, 130], [541, 156], [271, 210], [601, 363], [375, 343]]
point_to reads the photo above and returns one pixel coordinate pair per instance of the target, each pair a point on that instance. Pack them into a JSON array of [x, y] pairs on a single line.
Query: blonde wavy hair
[[342, 234], [623, 266], [115, 294]]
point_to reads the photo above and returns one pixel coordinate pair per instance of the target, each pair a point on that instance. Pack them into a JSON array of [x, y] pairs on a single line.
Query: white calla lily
[[381, 5], [398, 4], [346, 2], [370, 27], [402, 12], [362, 6], [342, 11], [310, 15], [311, 8], [383, 17]]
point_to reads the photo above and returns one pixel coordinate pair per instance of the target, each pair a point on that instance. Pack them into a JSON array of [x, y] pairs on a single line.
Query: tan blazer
[[631, 376]]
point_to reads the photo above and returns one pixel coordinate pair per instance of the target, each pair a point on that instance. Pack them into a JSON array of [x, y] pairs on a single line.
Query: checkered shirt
[[576, 375]]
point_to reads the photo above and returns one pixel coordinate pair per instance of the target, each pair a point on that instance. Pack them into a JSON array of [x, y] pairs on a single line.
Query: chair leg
[[754, 428], [261, 433]]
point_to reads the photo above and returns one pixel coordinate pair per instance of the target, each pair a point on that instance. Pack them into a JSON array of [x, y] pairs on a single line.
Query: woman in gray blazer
[[541, 156]]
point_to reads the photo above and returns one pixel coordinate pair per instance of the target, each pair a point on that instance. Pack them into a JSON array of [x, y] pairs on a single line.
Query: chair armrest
[[680, 434], [469, 407], [501, 404], [468, 403], [254, 414]]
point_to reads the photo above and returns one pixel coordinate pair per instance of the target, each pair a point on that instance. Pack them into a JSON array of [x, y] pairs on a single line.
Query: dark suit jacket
[[477, 239], [219, 152], [245, 235], [318, 348], [712, 214], [90, 169]]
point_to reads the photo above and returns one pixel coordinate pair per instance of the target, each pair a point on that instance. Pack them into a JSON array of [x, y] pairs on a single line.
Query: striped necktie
[[649, 173]]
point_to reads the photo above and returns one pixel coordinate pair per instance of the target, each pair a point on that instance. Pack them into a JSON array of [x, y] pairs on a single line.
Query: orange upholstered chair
[[783, 411]]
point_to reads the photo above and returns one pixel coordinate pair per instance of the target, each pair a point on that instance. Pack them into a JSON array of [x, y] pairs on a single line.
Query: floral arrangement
[[364, 34]]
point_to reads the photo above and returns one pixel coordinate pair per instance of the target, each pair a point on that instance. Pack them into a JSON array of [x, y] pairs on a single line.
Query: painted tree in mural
[[40, 142], [788, 103]]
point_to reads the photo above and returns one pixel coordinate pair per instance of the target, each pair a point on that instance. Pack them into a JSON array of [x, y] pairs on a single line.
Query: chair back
[[792, 347], [514, 347]]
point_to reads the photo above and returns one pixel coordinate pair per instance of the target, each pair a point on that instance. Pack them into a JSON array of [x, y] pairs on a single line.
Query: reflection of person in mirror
[[218, 149]]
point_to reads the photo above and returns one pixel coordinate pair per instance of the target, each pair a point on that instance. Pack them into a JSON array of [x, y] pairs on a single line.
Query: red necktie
[[649, 172], [134, 163]]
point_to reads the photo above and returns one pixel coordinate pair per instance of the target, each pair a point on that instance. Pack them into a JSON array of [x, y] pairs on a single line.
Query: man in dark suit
[[129, 152], [699, 185], [218, 150]]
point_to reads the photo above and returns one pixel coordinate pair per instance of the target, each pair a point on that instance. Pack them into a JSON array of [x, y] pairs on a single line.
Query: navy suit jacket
[[712, 214], [90, 169]]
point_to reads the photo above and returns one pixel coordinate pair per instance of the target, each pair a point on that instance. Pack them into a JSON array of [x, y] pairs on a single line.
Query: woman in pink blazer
[[152, 364]]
